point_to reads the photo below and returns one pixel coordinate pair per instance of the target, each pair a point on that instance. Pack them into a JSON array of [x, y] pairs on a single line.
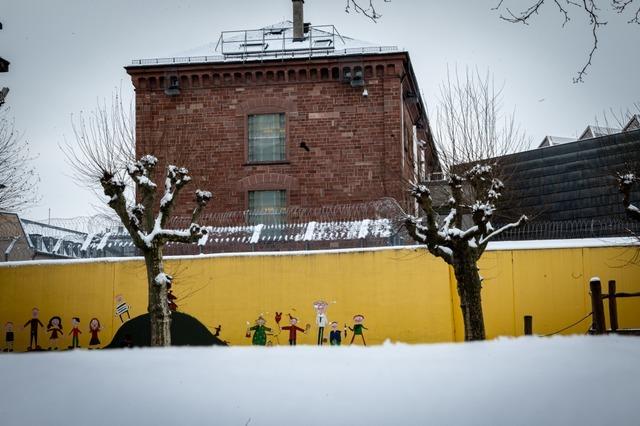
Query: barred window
[[266, 137], [267, 207]]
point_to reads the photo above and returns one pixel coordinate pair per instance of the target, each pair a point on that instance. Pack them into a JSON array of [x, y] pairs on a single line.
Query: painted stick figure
[[122, 307], [259, 332], [75, 322], [34, 323], [335, 336], [293, 330], [321, 318], [55, 328], [8, 337], [357, 328], [94, 329]]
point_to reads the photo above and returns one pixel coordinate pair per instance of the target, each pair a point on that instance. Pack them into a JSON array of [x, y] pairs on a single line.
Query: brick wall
[[356, 142]]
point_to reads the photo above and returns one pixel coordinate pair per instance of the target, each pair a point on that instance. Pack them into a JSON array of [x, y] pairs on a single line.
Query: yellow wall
[[405, 294]]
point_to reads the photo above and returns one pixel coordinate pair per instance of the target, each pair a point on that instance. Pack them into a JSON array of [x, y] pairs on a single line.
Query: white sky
[[67, 54]]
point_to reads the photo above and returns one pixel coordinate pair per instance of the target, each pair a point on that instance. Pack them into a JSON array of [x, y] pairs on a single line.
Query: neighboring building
[[14, 241], [597, 131], [633, 124], [572, 181], [23, 239], [290, 115], [554, 140]]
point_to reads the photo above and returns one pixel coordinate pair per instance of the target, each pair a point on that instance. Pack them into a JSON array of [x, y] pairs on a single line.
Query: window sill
[[267, 163]]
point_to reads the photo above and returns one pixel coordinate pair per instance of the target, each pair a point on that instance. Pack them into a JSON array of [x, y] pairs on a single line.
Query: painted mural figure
[[335, 336], [54, 328], [34, 323], [358, 328], [94, 329], [122, 307], [75, 331], [293, 330], [259, 332], [321, 318], [8, 337]]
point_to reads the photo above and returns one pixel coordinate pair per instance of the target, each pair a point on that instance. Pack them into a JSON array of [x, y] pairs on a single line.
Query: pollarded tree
[[103, 155], [470, 140]]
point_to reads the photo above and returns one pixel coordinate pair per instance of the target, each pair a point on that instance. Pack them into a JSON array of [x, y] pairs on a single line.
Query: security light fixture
[[411, 97], [174, 87], [358, 79], [365, 92]]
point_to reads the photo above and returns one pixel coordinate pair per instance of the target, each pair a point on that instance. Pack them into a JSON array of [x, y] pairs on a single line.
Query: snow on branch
[[163, 279], [450, 238], [625, 184], [523, 219]]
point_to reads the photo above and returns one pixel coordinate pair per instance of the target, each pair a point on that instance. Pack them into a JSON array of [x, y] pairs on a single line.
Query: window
[[266, 137], [267, 207]]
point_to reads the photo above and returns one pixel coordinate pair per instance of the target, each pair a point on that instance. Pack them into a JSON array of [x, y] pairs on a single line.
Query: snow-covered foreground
[[525, 381]]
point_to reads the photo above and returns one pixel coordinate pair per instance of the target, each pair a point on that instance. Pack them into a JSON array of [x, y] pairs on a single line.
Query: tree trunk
[[158, 308], [469, 287]]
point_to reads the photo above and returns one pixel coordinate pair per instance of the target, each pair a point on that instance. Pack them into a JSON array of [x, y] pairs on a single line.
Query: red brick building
[[288, 115]]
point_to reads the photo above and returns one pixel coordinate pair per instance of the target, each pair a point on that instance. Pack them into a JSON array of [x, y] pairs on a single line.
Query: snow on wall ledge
[[493, 246]]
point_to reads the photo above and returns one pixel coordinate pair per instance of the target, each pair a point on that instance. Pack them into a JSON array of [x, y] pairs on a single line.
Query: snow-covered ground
[[525, 381]]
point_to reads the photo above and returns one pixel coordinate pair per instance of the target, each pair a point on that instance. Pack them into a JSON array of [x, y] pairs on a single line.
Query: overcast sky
[[67, 54]]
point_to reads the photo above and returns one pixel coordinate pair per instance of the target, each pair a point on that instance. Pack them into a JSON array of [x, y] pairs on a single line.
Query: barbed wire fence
[[368, 224]]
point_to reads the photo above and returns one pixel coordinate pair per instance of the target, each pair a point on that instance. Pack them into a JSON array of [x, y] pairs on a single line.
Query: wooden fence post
[[528, 325], [597, 307], [613, 306]]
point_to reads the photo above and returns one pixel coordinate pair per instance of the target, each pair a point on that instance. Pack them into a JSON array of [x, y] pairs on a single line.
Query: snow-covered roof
[[633, 124], [554, 140], [38, 228], [274, 41], [597, 131]]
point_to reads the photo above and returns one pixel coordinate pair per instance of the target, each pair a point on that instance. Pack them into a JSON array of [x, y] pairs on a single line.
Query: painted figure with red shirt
[[293, 329], [75, 331], [94, 329]]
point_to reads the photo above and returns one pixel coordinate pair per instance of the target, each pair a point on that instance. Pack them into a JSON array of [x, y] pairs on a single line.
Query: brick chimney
[[298, 20]]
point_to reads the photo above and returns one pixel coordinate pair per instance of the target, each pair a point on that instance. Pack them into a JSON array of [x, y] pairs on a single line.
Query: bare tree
[[18, 177], [365, 7], [591, 10], [103, 154], [471, 134]]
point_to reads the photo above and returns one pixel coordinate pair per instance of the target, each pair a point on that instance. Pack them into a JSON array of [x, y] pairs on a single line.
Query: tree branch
[[141, 172], [625, 184], [370, 11], [114, 189], [421, 234], [523, 219], [422, 194]]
